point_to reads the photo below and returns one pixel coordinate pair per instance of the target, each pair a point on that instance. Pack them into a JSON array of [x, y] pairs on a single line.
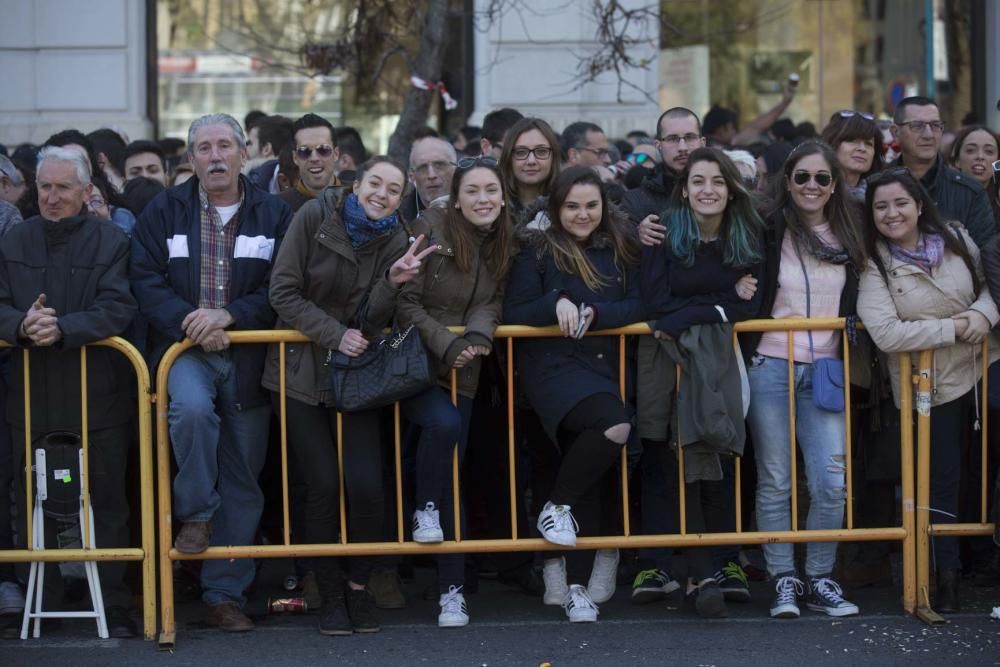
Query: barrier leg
[[907, 474], [924, 610]]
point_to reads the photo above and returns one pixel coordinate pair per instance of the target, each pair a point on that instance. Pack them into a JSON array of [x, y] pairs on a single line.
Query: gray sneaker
[[787, 590], [826, 596], [11, 599]]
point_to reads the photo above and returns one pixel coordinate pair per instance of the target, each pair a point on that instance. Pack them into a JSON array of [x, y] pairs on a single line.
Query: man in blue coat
[[201, 263]]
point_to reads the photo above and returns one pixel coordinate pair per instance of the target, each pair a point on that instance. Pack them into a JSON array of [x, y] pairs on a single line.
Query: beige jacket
[[911, 311]]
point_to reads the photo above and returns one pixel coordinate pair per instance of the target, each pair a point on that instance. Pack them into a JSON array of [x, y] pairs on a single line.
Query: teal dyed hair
[[742, 230]]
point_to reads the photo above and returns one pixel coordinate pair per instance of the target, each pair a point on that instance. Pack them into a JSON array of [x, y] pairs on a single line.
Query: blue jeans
[[820, 436], [442, 426], [220, 452]]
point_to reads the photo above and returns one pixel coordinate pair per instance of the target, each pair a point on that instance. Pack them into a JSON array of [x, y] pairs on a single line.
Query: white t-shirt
[[227, 212]]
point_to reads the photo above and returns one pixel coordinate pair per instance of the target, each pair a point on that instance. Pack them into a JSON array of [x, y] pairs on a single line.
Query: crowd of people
[[282, 224]]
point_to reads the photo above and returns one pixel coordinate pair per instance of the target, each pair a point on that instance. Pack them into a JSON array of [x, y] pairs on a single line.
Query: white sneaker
[[557, 525], [604, 575], [427, 525], [454, 613], [578, 605], [554, 576], [11, 599]]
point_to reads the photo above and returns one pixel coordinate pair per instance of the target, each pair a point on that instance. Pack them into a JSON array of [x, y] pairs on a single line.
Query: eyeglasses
[[437, 165], [97, 202], [599, 152], [305, 152], [478, 161], [822, 178], [849, 113], [688, 138], [919, 126], [540, 153]]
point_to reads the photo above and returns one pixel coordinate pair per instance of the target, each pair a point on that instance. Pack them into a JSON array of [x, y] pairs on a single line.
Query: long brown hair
[[510, 182], [613, 229], [497, 249], [838, 211]]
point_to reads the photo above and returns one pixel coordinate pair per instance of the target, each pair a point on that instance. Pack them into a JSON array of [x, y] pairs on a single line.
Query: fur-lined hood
[[531, 226]]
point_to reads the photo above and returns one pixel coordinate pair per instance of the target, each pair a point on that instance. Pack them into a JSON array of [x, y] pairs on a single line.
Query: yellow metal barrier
[[147, 552], [168, 554], [925, 530]]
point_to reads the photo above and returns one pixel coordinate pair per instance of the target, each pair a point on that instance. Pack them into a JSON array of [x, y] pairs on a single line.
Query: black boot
[[946, 600], [333, 617], [361, 609]]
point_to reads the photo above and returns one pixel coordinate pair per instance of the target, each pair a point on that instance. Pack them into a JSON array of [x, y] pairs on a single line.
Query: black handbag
[[395, 366]]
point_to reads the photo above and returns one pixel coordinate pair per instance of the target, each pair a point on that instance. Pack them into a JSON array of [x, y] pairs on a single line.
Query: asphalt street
[[510, 628]]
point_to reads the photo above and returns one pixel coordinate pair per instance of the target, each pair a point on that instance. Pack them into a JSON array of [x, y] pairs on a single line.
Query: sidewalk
[[511, 628]]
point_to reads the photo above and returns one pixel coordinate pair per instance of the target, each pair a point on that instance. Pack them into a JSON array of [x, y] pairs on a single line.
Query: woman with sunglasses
[[336, 279], [924, 289], [462, 285], [579, 273], [530, 162], [857, 140], [974, 151], [705, 274], [815, 249]]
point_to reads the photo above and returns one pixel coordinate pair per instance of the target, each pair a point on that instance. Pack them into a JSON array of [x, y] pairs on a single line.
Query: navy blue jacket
[[166, 273], [557, 373]]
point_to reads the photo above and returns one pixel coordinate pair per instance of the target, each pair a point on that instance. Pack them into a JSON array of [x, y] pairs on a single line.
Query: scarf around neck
[[360, 228], [928, 254]]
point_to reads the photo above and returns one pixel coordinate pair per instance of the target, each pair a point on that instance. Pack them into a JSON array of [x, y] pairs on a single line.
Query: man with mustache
[[201, 261], [917, 126]]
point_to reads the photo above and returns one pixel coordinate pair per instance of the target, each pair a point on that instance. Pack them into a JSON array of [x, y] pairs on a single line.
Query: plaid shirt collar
[[209, 210]]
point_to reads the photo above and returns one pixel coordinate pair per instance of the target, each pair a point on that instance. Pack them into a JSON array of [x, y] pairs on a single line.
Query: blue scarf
[[360, 228]]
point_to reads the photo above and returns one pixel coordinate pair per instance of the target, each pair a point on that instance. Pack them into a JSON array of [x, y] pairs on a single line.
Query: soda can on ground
[[287, 606]]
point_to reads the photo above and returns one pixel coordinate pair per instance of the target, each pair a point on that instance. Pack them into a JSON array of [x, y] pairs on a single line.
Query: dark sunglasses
[[848, 113], [323, 150], [822, 179], [479, 161]]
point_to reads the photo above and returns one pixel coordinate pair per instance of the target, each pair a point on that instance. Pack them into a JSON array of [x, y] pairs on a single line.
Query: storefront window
[[851, 54]]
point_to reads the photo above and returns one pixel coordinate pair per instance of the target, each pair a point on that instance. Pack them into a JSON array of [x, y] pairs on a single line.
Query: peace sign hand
[[408, 266]]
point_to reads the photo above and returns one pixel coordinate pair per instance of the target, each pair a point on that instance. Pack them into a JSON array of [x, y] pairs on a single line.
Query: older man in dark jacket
[[64, 284], [918, 128], [201, 264]]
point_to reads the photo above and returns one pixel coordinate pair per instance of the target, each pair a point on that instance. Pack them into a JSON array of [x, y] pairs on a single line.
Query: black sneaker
[[333, 618], [361, 609], [652, 586], [120, 624], [826, 596], [708, 600], [734, 583]]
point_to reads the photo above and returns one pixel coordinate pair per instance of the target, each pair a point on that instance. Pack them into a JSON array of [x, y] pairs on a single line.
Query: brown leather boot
[[193, 537], [228, 617]]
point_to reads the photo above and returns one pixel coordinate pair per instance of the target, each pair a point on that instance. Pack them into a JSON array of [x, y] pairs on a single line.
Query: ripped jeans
[[820, 436]]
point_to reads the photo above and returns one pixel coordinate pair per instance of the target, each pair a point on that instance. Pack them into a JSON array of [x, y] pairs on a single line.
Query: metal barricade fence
[[925, 529], [146, 553], [627, 539]]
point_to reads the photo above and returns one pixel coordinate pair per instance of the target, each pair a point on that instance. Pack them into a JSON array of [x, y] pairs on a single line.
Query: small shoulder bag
[[828, 374]]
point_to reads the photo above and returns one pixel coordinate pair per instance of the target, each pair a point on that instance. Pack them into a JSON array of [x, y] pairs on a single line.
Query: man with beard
[[678, 132]]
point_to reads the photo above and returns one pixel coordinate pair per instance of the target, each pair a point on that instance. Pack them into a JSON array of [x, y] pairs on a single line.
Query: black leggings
[[312, 444], [588, 455]]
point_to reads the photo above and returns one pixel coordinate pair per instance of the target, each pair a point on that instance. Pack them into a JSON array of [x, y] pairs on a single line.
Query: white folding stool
[[36, 578]]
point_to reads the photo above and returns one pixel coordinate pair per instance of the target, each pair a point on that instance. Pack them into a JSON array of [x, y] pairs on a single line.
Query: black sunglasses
[[478, 161], [822, 178], [323, 150]]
